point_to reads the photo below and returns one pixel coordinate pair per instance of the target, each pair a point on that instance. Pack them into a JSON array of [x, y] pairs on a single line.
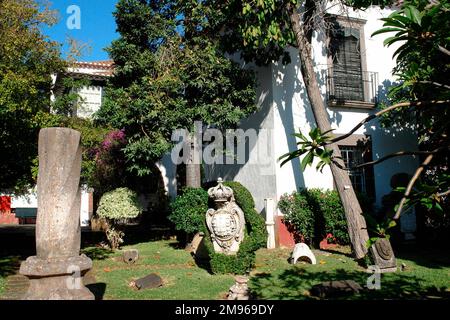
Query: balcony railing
[[347, 86]]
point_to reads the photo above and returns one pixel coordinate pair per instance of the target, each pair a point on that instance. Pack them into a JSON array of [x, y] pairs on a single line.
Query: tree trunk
[[356, 223], [193, 175]]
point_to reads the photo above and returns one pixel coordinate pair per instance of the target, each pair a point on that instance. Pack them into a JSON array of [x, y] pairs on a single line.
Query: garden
[[184, 274], [159, 223]]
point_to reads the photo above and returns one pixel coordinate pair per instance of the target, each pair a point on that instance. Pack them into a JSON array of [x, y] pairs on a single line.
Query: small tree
[[117, 207]]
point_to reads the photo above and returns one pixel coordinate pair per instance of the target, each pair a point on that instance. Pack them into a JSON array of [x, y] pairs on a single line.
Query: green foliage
[[188, 210], [254, 239], [166, 80], [188, 214], [421, 29], [313, 147], [119, 204], [27, 61], [298, 215], [312, 214], [70, 100]]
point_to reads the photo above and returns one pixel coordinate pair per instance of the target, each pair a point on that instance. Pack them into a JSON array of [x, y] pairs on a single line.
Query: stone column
[[56, 271], [270, 222]]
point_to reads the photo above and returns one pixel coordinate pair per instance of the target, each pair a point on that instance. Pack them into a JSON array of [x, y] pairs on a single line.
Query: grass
[[2, 285], [423, 278], [182, 278], [427, 274], [8, 266]]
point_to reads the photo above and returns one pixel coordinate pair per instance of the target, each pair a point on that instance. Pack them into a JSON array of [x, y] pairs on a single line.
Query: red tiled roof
[[104, 68]]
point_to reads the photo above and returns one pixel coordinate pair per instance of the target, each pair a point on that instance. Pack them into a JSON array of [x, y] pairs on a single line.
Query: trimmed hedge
[[188, 214], [189, 209], [255, 236], [314, 213]]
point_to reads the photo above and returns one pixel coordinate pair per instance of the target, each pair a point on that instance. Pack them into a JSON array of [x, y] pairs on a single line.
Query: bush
[[298, 216], [118, 206], [311, 214], [189, 215], [327, 205], [255, 236], [189, 209]]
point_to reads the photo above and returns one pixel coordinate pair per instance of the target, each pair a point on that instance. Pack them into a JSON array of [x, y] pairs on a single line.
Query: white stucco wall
[[291, 106], [286, 109], [91, 100]]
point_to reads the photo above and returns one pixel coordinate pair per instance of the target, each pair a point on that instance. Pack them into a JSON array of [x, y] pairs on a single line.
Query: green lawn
[[182, 278], [8, 266], [2, 285], [427, 275]]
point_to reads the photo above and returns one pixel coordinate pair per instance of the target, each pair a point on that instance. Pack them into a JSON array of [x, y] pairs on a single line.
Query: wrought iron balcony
[[347, 87]]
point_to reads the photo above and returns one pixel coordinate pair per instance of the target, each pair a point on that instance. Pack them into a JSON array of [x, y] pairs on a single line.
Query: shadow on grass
[[429, 257], [296, 282], [98, 289], [138, 234], [9, 265], [97, 253]]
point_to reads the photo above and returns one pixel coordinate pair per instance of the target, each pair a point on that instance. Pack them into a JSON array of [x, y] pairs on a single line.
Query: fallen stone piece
[[331, 289], [130, 256], [150, 281], [198, 247], [302, 252]]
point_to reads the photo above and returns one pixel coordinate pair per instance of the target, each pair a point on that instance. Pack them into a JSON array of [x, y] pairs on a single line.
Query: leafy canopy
[[169, 75], [27, 60]]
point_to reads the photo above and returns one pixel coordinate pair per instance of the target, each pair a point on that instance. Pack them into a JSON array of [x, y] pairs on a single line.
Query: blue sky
[[97, 26]]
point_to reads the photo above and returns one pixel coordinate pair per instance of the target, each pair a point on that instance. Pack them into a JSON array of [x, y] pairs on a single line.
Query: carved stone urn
[[226, 223]]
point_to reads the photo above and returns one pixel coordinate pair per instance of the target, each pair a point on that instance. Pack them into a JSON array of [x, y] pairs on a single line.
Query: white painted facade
[[284, 109], [90, 100]]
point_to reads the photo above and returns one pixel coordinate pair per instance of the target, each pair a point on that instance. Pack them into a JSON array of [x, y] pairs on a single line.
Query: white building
[[354, 71]]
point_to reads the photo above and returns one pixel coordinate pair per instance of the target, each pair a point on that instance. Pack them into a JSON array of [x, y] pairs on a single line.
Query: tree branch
[[443, 193], [443, 50], [381, 112], [398, 154], [411, 184], [434, 83]]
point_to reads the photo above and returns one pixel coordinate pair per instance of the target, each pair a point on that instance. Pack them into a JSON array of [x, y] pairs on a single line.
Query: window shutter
[[347, 70]]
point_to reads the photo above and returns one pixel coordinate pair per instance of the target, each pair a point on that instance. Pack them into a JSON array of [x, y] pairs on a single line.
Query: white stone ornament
[[301, 250], [226, 223]]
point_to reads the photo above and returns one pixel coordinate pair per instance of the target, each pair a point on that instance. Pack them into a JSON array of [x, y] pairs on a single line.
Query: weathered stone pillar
[[56, 271]]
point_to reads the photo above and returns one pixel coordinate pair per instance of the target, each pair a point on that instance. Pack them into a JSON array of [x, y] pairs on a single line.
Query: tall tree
[[262, 30], [167, 77], [27, 61]]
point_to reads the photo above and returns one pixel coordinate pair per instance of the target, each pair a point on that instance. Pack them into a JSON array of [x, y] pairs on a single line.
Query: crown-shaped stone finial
[[220, 193]]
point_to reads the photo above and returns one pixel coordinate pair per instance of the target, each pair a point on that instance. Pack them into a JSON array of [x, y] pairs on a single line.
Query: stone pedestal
[[56, 271], [57, 279]]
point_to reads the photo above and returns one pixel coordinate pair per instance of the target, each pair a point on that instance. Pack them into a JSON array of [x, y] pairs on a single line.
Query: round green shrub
[[188, 210], [119, 204]]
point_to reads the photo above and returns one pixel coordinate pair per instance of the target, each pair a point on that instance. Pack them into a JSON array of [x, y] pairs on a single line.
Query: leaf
[[391, 224], [413, 14], [307, 160], [384, 30]]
